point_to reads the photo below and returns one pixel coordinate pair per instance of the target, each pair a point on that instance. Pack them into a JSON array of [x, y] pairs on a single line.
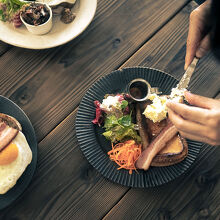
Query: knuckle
[[214, 143], [208, 116], [179, 124], [213, 121], [185, 113], [214, 136], [193, 14]]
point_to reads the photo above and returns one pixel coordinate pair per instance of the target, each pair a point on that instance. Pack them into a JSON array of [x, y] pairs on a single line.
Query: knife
[[184, 82]]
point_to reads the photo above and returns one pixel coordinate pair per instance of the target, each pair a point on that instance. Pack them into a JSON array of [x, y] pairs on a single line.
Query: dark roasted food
[[67, 16], [35, 14], [142, 125], [166, 146], [167, 133]]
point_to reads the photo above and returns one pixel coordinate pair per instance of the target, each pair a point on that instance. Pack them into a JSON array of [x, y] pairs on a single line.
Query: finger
[[201, 101], [192, 130], [196, 138], [204, 46], [183, 125], [193, 39], [190, 113]]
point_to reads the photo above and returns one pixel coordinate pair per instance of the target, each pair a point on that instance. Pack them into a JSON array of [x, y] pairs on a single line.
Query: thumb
[[199, 101]]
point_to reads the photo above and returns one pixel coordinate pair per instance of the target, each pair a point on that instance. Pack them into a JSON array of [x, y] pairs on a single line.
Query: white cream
[[177, 95], [157, 111], [109, 102]]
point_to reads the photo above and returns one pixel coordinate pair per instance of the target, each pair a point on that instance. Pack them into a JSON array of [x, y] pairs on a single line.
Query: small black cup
[[140, 89]]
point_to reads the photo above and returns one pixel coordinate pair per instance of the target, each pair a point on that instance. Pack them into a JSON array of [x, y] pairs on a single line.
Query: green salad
[[10, 10], [118, 129], [115, 116]]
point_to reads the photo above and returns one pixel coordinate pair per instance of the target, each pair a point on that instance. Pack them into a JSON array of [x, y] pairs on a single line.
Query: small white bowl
[[42, 28]]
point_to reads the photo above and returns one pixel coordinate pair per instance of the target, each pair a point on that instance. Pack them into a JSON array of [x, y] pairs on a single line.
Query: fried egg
[[13, 161]]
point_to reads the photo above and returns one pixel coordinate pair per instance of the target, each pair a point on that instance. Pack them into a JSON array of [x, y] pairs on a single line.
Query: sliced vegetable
[[110, 122], [125, 154], [125, 121], [116, 112], [124, 104], [118, 129], [99, 114]]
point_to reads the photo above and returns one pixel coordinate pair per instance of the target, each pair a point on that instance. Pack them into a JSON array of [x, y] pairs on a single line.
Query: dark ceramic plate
[[10, 108], [95, 147]]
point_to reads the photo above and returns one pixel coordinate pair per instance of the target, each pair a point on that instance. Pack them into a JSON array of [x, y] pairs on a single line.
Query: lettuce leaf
[[119, 129]]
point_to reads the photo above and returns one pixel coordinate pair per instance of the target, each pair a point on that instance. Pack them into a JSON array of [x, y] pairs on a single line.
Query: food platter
[[60, 33], [10, 108], [95, 146]]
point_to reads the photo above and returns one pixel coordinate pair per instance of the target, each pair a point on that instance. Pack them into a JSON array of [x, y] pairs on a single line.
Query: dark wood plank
[[194, 195], [64, 186], [52, 161], [76, 189], [23, 64], [62, 75], [80, 186], [4, 48], [166, 51]]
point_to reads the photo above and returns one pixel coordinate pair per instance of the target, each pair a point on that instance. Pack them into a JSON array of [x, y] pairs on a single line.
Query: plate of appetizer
[[44, 24], [18, 152], [124, 131]]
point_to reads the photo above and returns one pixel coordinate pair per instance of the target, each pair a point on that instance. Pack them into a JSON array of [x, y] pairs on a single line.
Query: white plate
[[60, 33]]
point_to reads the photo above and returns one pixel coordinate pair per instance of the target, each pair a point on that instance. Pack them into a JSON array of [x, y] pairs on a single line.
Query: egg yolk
[[8, 154]]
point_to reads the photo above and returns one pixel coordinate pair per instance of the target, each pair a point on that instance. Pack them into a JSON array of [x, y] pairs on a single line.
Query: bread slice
[[10, 121], [176, 149]]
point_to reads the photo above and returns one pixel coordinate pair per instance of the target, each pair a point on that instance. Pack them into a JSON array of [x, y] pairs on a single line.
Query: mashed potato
[[157, 111]]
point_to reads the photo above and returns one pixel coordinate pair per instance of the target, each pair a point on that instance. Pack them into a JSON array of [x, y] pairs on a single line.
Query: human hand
[[200, 122], [198, 40]]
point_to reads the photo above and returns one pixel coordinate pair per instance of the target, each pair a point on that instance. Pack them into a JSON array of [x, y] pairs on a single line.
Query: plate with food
[[18, 151], [44, 24], [130, 141]]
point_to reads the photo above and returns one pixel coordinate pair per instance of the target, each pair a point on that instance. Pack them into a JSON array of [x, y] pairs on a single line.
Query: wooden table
[[49, 84]]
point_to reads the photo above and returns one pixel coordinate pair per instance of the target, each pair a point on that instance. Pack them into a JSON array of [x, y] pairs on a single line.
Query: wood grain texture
[[4, 48], [166, 51], [62, 75], [65, 185], [195, 195]]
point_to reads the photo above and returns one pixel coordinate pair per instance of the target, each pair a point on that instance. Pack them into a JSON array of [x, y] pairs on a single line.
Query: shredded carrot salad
[[125, 154]]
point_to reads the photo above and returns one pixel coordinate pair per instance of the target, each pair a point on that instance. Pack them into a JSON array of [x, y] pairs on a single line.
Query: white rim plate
[[60, 33]]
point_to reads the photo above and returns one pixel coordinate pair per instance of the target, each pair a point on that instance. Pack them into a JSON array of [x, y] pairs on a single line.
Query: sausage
[[156, 146], [7, 134], [142, 127]]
